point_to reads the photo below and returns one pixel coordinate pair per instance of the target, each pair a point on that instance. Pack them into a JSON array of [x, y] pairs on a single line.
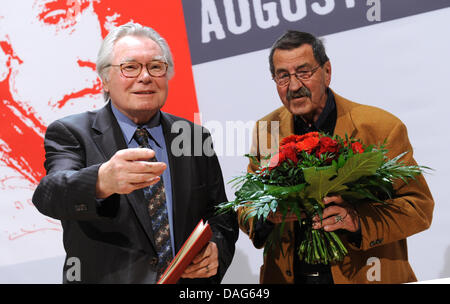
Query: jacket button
[[288, 273], [154, 261], [81, 207]]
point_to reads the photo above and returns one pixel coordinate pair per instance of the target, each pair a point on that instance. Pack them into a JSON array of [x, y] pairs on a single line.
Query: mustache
[[302, 92]]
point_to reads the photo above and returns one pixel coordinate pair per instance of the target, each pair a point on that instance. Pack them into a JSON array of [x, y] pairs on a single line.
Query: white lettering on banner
[[211, 21], [350, 3], [323, 10], [271, 10], [238, 14], [287, 12], [244, 12]]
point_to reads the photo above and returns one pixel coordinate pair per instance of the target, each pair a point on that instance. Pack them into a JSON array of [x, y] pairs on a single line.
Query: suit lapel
[[344, 122], [108, 135], [109, 139], [286, 123]]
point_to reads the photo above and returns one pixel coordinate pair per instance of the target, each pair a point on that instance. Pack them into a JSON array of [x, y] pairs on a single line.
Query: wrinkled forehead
[[136, 48], [301, 56]]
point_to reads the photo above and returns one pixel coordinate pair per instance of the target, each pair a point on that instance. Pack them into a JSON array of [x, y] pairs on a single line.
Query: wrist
[[100, 187]]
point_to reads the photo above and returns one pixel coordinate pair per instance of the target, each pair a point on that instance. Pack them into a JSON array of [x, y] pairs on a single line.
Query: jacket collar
[[108, 135], [109, 139], [344, 122]]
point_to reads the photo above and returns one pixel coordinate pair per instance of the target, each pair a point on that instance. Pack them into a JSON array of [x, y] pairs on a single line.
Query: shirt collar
[[325, 122], [329, 107], [129, 127]]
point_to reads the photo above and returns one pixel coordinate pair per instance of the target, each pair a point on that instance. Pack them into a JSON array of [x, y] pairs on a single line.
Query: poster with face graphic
[[48, 51], [389, 54]]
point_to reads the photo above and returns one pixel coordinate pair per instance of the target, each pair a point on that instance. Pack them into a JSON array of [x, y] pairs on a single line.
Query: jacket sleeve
[[257, 230], [69, 188], [408, 213]]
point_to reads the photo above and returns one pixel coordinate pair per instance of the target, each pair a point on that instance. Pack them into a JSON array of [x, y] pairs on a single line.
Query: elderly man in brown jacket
[[374, 234]]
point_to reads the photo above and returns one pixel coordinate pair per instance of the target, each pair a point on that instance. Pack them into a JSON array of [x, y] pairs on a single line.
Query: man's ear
[[105, 83], [327, 72]]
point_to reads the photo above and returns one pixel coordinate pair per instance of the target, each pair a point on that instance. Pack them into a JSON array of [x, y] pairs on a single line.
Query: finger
[[148, 183], [195, 267], [192, 268], [146, 167], [320, 224], [332, 210], [138, 178], [331, 217], [206, 268], [135, 154], [327, 212], [204, 272], [126, 188], [204, 253], [333, 226], [337, 199]]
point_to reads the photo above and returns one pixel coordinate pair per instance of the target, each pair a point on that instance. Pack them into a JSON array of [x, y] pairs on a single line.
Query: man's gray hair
[[104, 57]]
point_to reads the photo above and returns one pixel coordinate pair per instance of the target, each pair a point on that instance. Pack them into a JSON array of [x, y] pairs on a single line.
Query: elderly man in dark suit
[[126, 181]]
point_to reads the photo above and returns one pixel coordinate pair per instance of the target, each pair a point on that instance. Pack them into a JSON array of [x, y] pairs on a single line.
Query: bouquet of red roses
[[305, 170]]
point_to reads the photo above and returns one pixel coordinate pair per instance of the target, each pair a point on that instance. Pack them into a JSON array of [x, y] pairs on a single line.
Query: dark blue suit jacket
[[112, 238]]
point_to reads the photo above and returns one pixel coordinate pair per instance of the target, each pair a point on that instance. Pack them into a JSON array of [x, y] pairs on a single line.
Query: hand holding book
[[197, 258], [205, 263]]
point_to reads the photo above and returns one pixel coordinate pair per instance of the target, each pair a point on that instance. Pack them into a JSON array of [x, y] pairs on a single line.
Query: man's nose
[[145, 76], [294, 83]]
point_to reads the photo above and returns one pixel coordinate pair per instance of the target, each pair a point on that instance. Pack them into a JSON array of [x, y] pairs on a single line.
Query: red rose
[[290, 151], [308, 135], [357, 147], [287, 151], [288, 139], [309, 142], [327, 144], [276, 160]]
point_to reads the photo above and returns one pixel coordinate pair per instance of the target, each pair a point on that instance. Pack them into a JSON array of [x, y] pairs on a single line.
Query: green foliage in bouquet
[[306, 169]]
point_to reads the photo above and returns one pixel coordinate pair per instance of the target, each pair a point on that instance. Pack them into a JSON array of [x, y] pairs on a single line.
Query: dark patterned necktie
[[157, 209]]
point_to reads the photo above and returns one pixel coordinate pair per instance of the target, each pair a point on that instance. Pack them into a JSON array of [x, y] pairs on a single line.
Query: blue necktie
[[157, 209]]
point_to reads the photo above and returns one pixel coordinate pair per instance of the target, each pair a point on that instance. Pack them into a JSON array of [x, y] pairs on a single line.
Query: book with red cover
[[199, 237]]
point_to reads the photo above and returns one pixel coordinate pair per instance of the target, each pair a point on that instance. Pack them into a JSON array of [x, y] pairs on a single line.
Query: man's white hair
[[104, 57]]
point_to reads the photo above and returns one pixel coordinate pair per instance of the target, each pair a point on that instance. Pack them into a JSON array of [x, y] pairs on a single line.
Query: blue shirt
[[157, 144]]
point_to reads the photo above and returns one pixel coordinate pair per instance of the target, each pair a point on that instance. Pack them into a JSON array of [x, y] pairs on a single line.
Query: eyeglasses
[[133, 69], [283, 78]]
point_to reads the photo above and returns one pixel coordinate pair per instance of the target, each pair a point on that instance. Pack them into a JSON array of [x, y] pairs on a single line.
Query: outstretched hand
[[128, 170]]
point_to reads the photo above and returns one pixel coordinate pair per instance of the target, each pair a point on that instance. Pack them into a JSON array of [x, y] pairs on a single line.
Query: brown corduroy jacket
[[382, 256]]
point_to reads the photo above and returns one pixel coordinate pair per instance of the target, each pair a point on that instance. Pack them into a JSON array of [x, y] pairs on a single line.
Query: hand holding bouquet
[[309, 168]]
